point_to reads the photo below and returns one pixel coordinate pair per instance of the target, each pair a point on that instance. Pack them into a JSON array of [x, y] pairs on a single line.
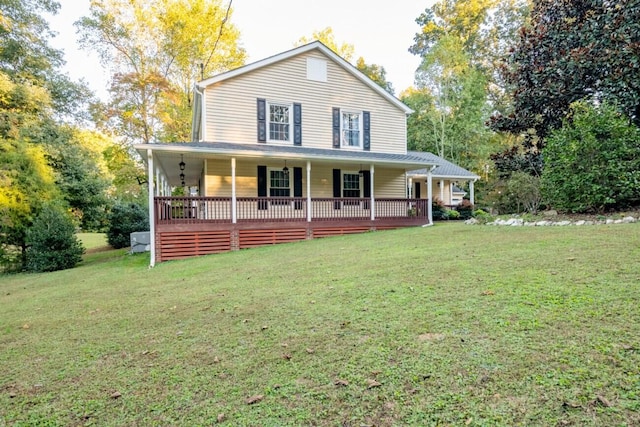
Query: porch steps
[[255, 238], [177, 245]]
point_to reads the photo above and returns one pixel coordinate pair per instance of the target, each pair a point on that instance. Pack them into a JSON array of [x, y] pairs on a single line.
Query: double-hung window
[[350, 184], [279, 185], [351, 130], [279, 122]]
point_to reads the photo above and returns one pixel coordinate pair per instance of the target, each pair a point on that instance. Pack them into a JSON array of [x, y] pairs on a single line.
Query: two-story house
[[295, 146]]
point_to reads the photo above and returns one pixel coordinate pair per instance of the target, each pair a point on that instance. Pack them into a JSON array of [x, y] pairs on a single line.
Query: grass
[[93, 241], [447, 325]]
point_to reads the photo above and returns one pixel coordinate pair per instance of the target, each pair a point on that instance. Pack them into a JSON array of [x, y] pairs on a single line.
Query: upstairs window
[[351, 129], [279, 122]]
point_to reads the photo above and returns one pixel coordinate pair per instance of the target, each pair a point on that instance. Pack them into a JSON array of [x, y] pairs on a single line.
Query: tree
[[592, 163], [156, 51], [51, 241], [375, 72], [572, 50], [451, 105], [345, 50]]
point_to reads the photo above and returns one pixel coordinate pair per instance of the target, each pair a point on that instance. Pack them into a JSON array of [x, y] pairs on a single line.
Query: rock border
[[520, 222]]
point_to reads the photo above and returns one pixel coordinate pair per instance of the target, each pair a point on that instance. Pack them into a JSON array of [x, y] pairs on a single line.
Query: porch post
[[410, 188], [152, 214], [373, 199], [309, 206], [157, 187], [442, 192], [429, 197], [472, 198], [234, 217]]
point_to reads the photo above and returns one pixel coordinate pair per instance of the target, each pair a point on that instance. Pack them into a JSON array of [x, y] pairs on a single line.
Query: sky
[[380, 33]]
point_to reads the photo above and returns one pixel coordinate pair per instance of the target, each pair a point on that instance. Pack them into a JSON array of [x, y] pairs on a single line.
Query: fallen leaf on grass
[[221, 417], [342, 383], [488, 292], [116, 395], [216, 360], [26, 326], [571, 259], [254, 399], [286, 356], [570, 405], [373, 383], [265, 327], [602, 401]]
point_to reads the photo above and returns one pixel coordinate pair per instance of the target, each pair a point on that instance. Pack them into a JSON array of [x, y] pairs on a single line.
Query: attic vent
[[316, 69]]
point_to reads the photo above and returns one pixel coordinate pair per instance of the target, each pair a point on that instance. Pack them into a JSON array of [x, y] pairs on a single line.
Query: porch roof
[[443, 170], [168, 156]]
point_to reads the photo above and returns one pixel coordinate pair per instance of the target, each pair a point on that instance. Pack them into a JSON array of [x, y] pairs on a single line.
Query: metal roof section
[[444, 168], [409, 160], [316, 45]]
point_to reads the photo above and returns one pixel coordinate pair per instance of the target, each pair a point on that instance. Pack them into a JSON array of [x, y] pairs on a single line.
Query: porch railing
[[193, 210]]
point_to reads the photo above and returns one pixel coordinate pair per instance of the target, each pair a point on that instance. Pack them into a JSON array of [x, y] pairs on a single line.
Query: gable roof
[[444, 168], [316, 45]]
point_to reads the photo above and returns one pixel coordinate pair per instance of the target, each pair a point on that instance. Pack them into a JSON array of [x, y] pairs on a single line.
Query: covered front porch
[[239, 196]]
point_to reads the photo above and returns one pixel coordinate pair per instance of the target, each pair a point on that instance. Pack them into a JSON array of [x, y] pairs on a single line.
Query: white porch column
[[373, 199], [472, 197], [429, 196], [234, 213], [152, 214], [309, 206], [441, 182], [410, 188]]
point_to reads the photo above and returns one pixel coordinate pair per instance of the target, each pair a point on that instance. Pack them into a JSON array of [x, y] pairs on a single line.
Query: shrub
[[482, 216], [51, 241], [525, 190], [453, 214], [124, 219], [592, 163], [438, 210], [465, 209]]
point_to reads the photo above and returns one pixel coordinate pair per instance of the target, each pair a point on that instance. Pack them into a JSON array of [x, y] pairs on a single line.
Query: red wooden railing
[[194, 210]]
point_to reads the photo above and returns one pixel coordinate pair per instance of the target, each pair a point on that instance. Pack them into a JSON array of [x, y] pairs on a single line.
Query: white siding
[[231, 104]]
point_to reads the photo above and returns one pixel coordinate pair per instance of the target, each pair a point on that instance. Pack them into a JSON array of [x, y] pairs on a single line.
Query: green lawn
[[93, 241], [446, 325]]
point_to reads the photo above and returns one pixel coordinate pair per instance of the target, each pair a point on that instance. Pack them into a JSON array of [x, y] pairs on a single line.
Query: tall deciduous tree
[[156, 51]]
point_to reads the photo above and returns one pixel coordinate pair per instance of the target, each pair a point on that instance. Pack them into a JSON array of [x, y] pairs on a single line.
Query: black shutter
[[366, 138], [262, 120], [262, 187], [297, 186], [416, 193], [336, 127], [297, 124], [366, 184], [337, 187]]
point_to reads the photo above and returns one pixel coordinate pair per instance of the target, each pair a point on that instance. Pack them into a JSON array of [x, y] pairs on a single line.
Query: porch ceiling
[[168, 156]]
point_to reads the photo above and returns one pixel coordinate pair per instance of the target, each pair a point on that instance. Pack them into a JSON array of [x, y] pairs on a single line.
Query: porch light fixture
[[182, 177], [285, 169], [182, 164]]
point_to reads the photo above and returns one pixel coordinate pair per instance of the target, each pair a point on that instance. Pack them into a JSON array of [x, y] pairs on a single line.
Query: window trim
[[343, 143], [289, 106], [283, 201], [360, 183]]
